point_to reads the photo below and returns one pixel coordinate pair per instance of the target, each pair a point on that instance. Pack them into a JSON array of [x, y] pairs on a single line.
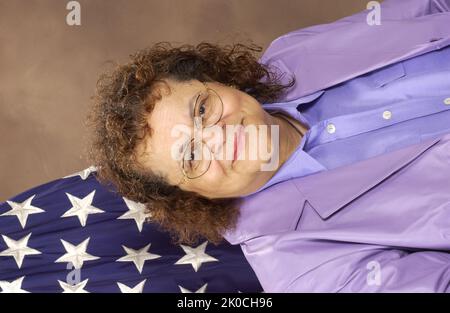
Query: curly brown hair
[[124, 98]]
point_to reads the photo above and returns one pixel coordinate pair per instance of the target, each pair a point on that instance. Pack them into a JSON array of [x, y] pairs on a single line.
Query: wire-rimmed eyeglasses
[[197, 156]]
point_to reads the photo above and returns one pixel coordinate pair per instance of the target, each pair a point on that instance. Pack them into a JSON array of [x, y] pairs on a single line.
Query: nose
[[216, 139]]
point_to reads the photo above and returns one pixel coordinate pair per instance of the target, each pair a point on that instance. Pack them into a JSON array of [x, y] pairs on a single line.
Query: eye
[[204, 108], [192, 162]]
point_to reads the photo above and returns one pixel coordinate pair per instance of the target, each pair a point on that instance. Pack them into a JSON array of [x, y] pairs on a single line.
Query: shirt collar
[[299, 163], [279, 208], [291, 107], [329, 191]]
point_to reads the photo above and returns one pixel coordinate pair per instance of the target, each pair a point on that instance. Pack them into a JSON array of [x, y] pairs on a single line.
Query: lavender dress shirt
[[364, 204], [387, 109]]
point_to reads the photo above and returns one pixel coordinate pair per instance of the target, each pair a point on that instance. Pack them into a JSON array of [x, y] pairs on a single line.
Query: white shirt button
[[331, 129], [387, 115], [447, 101]]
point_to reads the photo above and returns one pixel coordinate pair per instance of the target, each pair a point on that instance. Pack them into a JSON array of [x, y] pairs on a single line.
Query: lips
[[237, 141], [235, 147]]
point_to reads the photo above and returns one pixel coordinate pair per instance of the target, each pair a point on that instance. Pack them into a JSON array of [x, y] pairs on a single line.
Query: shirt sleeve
[[284, 263], [390, 10], [404, 9], [383, 270]]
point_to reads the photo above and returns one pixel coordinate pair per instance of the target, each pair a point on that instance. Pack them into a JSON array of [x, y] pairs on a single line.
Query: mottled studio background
[[48, 69]]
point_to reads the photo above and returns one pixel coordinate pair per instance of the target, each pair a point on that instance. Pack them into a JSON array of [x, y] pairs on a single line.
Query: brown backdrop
[[48, 69]]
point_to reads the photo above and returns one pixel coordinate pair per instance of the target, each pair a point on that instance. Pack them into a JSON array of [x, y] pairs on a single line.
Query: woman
[[142, 167], [376, 103]]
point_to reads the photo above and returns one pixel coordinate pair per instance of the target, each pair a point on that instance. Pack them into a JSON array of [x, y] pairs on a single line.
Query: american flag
[[74, 235]]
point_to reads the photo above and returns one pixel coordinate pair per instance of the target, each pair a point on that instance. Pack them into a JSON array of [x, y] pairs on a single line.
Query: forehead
[[174, 100], [171, 110]]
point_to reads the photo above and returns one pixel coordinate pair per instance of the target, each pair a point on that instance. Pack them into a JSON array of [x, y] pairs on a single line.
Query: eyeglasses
[[197, 155]]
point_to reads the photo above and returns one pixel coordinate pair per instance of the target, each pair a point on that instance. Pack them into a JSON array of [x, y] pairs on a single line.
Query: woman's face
[[225, 177]]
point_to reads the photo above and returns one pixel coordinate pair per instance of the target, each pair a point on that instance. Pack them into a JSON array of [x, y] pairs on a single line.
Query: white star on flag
[[77, 288], [136, 289], [18, 249], [138, 257], [12, 287], [136, 212], [84, 173], [202, 289], [22, 210], [195, 256], [76, 255], [82, 207]]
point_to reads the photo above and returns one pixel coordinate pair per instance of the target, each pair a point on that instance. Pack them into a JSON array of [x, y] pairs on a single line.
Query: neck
[[290, 137]]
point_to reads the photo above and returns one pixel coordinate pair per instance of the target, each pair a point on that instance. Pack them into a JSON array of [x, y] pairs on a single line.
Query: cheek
[[232, 103], [215, 175]]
